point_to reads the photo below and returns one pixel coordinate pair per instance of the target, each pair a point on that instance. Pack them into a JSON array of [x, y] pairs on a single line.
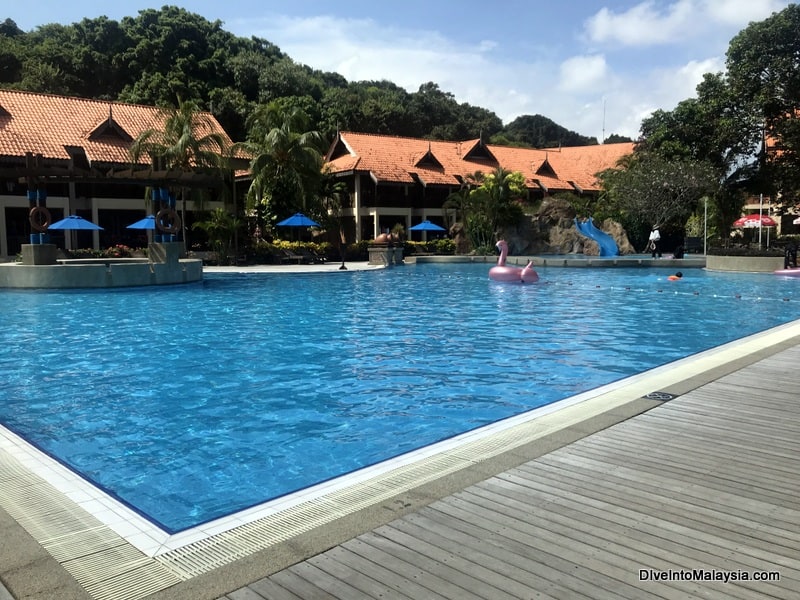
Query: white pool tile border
[[153, 541]]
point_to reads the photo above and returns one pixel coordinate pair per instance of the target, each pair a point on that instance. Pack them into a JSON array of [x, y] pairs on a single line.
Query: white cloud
[[635, 99], [652, 23], [642, 25], [741, 12], [360, 49], [687, 77], [581, 73]]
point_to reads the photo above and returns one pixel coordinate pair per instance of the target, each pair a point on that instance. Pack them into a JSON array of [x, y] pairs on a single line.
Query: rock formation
[[552, 231]]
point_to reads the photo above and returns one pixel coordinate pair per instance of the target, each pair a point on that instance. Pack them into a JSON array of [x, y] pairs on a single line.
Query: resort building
[[70, 155], [394, 180]]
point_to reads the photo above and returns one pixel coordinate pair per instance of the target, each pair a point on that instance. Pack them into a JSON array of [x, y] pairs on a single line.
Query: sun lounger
[[292, 257], [312, 257]]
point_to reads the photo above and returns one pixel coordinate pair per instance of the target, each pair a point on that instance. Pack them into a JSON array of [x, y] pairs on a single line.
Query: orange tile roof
[[391, 159], [46, 124]]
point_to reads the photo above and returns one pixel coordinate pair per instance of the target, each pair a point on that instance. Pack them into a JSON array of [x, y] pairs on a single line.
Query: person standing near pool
[[655, 241]]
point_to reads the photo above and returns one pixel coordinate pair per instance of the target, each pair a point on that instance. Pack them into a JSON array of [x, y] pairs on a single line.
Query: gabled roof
[[55, 126], [110, 128], [429, 160], [392, 159]]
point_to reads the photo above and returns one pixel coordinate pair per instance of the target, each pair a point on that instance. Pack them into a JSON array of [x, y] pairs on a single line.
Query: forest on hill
[[164, 55]]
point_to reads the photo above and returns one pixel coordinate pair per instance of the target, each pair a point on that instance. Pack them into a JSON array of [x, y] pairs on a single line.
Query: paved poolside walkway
[[588, 497]]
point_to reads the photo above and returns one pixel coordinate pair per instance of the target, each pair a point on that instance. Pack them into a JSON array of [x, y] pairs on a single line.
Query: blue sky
[[592, 66]]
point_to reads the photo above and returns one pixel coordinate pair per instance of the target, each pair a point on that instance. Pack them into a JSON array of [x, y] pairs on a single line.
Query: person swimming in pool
[[675, 277]]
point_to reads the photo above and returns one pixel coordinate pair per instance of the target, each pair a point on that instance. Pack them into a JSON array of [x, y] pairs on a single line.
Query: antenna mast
[[603, 139]]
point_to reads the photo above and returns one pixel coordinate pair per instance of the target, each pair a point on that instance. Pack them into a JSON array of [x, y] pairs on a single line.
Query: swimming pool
[[192, 402]]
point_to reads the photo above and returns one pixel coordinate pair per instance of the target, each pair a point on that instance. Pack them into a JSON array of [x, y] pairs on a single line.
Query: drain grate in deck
[[661, 396]]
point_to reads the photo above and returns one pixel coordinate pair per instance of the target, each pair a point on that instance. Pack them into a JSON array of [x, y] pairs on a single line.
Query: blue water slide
[[608, 247]]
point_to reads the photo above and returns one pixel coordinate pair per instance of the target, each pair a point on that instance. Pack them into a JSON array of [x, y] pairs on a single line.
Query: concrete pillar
[[357, 204]]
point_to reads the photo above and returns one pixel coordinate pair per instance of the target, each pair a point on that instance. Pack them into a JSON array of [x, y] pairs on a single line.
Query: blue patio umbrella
[[74, 222], [426, 226], [298, 220], [149, 222]]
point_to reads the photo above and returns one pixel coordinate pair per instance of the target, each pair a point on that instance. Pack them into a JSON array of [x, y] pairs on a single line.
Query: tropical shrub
[[443, 246]]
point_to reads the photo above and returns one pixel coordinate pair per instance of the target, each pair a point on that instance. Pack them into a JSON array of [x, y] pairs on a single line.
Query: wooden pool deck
[[690, 477], [705, 485]]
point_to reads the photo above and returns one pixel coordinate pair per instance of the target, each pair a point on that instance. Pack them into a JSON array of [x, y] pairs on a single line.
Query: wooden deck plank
[[599, 502], [249, 593], [733, 433], [680, 452], [501, 561], [243, 594], [295, 583], [320, 578], [512, 579], [741, 550], [713, 404], [269, 589], [670, 445], [395, 542], [372, 578], [724, 403], [419, 583], [560, 540], [608, 530], [688, 430], [520, 561], [649, 501], [457, 573], [607, 536], [559, 511], [721, 477], [578, 548], [338, 565]]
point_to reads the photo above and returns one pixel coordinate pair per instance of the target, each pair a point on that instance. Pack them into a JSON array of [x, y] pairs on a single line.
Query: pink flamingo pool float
[[511, 274]]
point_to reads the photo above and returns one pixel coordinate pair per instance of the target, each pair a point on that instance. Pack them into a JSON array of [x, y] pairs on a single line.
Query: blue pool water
[[192, 402]]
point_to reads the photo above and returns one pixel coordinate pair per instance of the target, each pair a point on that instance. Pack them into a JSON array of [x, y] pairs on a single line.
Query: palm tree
[[221, 228], [467, 210], [505, 189], [189, 143], [286, 163], [486, 203]]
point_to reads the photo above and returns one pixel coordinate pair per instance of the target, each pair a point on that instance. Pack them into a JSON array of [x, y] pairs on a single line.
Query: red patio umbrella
[[755, 220]]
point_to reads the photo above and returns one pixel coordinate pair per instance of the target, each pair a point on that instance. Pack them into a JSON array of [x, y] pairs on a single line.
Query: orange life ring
[[40, 218], [168, 221]]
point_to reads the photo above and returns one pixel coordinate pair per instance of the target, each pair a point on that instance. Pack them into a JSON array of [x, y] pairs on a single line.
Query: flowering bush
[[83, 253], [118, 251], [443, 246]]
